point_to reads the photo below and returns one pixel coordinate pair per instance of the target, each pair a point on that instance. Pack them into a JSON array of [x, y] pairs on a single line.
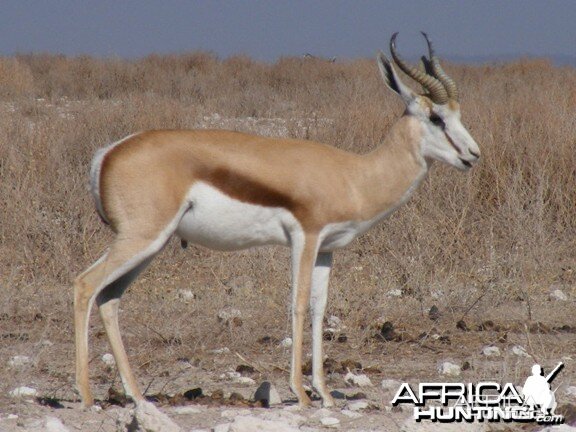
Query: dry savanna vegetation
[[486, 248]]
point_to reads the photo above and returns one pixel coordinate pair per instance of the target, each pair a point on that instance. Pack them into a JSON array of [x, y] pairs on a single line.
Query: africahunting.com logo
[[484, 401]]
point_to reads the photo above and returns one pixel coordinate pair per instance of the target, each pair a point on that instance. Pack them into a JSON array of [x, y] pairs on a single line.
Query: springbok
[[229, 191]]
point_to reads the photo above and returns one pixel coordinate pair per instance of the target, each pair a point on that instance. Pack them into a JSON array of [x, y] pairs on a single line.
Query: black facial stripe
[[452, 143]]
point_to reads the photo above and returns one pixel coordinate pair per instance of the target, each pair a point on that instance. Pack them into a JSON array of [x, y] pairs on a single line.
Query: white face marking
[[220, 222], [444, 136]]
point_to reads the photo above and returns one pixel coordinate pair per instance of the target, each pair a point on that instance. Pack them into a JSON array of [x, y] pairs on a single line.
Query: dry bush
[[505, 230]]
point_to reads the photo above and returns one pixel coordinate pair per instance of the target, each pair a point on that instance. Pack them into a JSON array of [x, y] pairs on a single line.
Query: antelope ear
[[392, 80]]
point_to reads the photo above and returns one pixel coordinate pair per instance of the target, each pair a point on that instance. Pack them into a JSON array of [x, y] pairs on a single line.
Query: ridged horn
[[433, 85], [439, 73]]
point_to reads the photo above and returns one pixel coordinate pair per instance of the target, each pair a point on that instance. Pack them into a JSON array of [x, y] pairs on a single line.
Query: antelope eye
[[437, 120]]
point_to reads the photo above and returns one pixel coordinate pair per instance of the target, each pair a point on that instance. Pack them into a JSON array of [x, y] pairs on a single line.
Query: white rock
[[222, 427], [228, 314], [230, 375], [184, 410], [286, 342], [108, 360], [46, 343], [283, 416], [231, 413], [394, 293], [24, 392], [268, 393], [558, 428], [54, 424], [150, 418], [357, 380], [450, 369], [390, 384], [357, 405], [330, 421], [519, 351], [19, 361], [186, 295], [559, 295], [491, 350], [244, 380], [334, 322], [253, 424], [224, 350], [11, 417], [351, 414]]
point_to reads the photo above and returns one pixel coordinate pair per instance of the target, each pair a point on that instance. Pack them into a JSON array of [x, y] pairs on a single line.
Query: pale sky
[[266, 30]]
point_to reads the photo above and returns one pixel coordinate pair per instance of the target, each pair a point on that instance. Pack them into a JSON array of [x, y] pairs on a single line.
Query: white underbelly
[[338, 235], [220, 222]]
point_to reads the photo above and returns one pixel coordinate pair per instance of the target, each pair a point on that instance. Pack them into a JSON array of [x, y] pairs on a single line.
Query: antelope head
[[444, 137]]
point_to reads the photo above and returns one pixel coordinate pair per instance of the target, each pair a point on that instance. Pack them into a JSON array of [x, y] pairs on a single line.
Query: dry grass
[[501, 233]]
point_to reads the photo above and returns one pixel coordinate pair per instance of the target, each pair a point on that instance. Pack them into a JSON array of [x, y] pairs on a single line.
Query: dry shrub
[[508, 226]]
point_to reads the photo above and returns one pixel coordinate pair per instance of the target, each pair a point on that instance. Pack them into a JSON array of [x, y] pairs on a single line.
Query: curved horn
[[439, 73], [430, 83]]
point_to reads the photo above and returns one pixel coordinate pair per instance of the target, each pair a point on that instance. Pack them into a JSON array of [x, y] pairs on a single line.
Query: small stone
[[193, 393], [231, 413], [24, 392], [394, 293], [19, 361], [357, 380], [570, 391], [286, 342], [351, 414], [54, 424], [245, 369], [330, 421], [390, 384], [230, 375], [186, 410], [224, 350], [449, 369], [334, 322], [387, 332], [357, 405], [186, 295], [268, 340], [558, 295], [267, 394], [520, 351], [228, 315], [244, 380], [222, 427], [491, 351], [461, 325], [108, 359], [434, 313], [46, 343]]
